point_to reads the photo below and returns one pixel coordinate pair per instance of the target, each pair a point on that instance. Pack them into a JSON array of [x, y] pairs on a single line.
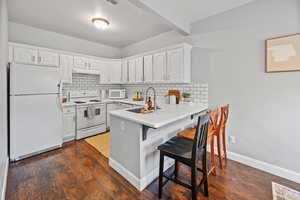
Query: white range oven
[[91, 119]]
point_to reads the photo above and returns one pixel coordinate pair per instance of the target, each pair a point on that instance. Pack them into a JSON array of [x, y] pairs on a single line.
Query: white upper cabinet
[[115, 68], [125, 71], [148, 68], [95, 65], [48, 58], [100, 66], [25, 55], [66, 67], [159, 67], [81, 62], [104, 73], [136, 70], [139, 70], [167, 65], [131, 70], [175, 65]]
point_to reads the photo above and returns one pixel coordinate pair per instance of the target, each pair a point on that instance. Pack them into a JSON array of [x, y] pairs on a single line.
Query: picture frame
[[282, 53]]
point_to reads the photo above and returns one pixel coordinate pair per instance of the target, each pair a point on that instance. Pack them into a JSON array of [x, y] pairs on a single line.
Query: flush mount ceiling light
[[100, 23]]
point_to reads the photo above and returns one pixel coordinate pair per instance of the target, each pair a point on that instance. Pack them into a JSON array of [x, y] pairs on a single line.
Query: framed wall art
[[283, 53]]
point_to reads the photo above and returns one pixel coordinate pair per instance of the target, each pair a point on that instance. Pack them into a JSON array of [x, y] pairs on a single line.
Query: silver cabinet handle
[[39, 59]]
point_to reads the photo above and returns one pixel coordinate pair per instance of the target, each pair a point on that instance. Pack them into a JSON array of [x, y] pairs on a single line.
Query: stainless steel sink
[[139, 110]]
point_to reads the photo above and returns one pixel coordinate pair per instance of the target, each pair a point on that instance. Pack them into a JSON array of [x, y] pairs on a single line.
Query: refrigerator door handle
[[59, 91]]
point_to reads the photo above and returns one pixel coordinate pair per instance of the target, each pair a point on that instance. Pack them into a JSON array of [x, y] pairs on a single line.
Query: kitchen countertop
[[128, 101], [164, 116]]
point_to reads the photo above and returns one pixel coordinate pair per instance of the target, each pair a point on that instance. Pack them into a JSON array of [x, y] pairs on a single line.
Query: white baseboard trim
[[3, 189], [272, 169], [266, 167], [125, 173], [138, 183]]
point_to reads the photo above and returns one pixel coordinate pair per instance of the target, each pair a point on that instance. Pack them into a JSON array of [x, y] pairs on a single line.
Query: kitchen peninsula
[[135, 137]]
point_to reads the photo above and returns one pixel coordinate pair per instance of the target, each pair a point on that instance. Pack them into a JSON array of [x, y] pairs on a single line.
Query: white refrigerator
[[35, 110]]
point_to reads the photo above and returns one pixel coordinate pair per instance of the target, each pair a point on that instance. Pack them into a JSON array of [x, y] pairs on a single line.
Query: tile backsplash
[[86, 82], [198, 90], [81, 82]]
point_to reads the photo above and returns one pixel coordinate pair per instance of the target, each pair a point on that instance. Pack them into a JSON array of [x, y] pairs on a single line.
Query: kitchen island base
[[135, 156]]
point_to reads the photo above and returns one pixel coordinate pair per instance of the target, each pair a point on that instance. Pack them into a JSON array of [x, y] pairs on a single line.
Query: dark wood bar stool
[[189, 133], [187, 152]]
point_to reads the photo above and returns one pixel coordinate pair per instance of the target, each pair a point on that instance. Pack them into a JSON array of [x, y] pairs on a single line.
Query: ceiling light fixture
[[100, 23]]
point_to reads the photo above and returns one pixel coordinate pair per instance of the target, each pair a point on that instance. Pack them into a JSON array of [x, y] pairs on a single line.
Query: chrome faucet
[[154, 91]]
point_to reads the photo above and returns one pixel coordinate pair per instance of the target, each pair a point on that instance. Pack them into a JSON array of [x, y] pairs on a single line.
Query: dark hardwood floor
[[78, 171]]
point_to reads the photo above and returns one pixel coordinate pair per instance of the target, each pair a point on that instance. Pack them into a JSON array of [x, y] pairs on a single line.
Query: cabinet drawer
[[69, 110]]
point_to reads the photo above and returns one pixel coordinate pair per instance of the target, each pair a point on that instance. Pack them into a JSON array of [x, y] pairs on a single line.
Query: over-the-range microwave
[[117, 93]]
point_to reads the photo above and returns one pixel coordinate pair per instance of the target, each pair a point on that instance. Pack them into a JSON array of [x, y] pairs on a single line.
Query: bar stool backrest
[[224, 116], [200, 139]]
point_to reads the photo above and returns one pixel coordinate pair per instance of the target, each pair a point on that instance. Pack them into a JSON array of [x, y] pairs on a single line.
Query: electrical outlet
[[232, 140]]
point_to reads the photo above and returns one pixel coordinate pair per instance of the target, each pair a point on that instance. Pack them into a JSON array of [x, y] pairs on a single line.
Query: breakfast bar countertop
[[164, 116]]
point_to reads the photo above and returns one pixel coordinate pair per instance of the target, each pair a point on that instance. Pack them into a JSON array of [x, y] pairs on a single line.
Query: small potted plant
[[186, 97]]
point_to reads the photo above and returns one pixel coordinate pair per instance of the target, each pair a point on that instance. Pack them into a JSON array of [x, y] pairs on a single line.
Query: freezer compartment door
[[31, 79], [35, 124]]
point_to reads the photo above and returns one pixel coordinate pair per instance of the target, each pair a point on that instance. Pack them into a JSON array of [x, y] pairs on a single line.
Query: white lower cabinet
[[69, 123], [110, 107]]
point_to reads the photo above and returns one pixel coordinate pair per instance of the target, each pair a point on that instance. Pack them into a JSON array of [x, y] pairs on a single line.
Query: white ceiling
[[184, 12], [129, 24]]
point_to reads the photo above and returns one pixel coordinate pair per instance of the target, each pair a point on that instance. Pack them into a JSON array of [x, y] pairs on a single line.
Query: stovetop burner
[[79, 102], [95, 100]]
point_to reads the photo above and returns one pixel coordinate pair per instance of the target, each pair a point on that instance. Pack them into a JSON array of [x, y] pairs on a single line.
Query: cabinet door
[[110, 107], [131, 70], [175, 65], [100, 66], [81, 62], [139, 70], [159, 67], [69, 126], [115, 71], [66, 67], [148, 68], [125, 71], [25, 55], [48, 58]]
